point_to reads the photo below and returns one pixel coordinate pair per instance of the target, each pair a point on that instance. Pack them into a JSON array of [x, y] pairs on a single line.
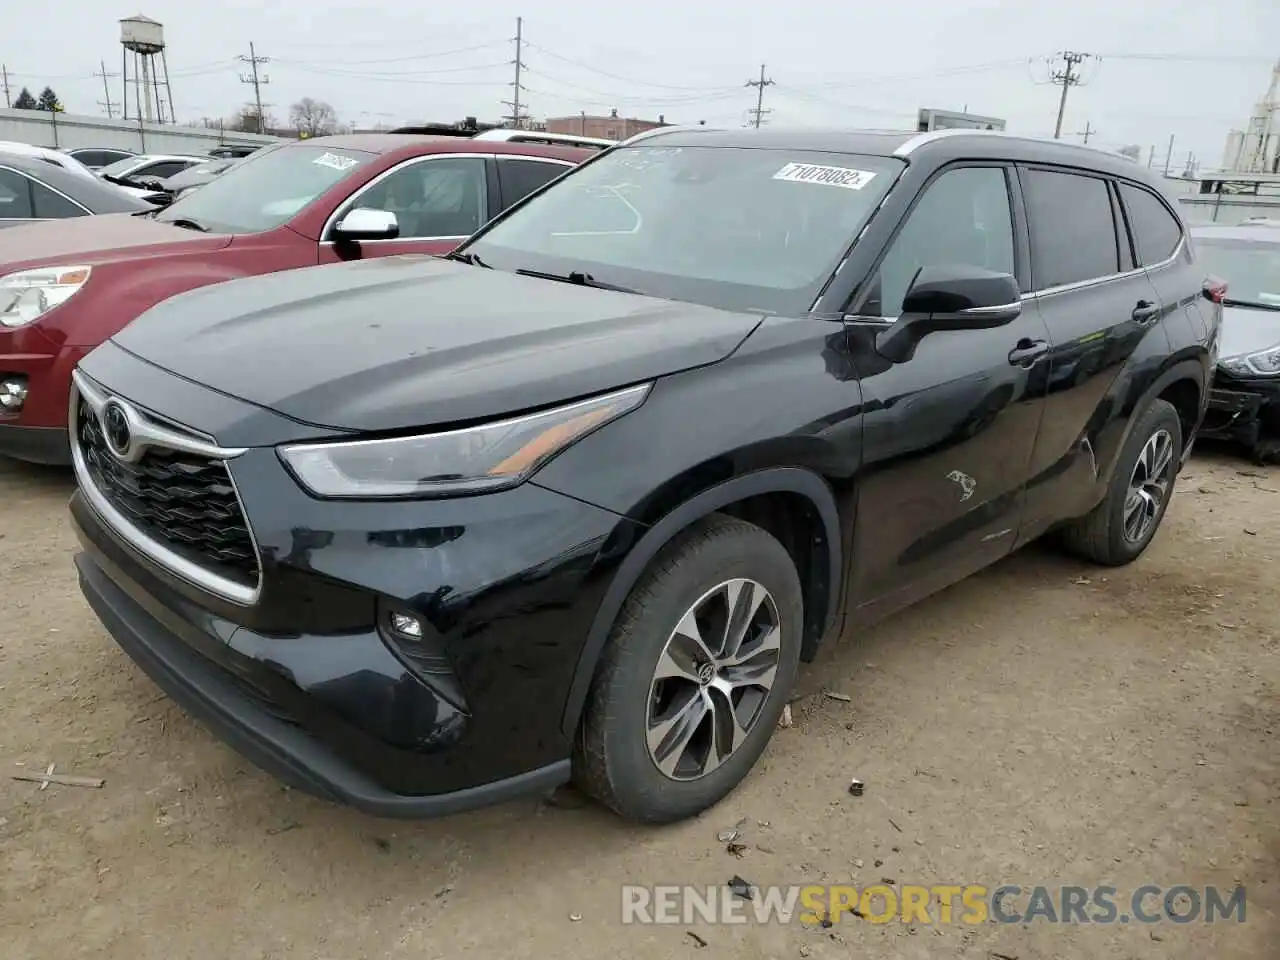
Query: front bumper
[[1244, 411], [309, 682]]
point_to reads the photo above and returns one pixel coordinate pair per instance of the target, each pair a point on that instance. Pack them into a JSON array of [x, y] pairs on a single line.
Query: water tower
[[144, 38]]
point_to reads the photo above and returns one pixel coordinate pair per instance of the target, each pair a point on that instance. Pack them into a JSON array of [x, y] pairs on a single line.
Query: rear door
[[947, 435], [438, 200], [1103, 314], [1161, 248]]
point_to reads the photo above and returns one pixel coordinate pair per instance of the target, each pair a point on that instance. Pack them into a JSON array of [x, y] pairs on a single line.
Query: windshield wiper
[[188, 224], [471, 259], [578, 277], [1253, 304]]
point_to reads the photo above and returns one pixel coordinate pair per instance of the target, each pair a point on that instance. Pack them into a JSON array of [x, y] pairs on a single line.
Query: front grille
[[181, 500]]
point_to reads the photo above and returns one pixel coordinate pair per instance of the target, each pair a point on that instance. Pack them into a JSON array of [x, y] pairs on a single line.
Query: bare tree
[[314, 118]]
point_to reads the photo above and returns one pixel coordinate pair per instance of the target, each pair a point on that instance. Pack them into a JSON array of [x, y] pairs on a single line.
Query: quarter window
[[519, 178], [15, 196], [442, 197], [1155, 230], [963, 219], [53, 206], [1073, 232]]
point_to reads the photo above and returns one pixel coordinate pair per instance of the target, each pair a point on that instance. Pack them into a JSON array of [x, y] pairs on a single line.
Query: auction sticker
[[845, 177], [335, 161]]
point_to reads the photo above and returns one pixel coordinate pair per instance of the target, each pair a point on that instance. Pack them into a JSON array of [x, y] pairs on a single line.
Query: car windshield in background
[[265, 189], [729, 227], [121, 167], [1250, 267]]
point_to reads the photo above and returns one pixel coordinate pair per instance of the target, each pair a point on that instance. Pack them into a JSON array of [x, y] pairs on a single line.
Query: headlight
[[1264, 363], [479, 459], [28, 295]]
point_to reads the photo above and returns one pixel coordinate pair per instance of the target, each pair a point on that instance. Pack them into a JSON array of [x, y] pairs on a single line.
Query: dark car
[[65, 288], [421, 534], [233, 151], [32, 190], [1244, 405], [196, 176], [95, 158]]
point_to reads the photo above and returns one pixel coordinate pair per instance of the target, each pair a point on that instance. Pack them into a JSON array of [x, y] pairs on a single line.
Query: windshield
[[1250, 267], [729, 227], [265, 189], [121, 167]]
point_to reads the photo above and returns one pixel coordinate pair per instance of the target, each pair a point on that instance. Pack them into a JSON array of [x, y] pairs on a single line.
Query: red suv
[[67, 286]]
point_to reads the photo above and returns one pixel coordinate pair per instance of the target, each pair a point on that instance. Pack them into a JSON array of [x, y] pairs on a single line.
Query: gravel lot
[[1045, 722]]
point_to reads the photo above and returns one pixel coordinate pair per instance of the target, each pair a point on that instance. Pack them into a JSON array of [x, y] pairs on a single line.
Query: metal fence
[[1226, 209], [69, 131]]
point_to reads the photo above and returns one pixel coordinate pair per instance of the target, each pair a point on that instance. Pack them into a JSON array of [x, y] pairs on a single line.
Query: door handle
[[1027, 352], [1145, 312]]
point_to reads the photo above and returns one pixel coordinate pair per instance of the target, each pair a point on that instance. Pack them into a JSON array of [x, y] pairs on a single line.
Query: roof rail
[[660, 131], [540, 136]]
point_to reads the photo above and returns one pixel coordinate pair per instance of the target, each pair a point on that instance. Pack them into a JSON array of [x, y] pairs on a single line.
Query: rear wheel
[[1121, 527], [695, 674]]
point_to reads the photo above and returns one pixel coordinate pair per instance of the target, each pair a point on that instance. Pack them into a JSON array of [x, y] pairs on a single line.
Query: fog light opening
[[406, 626], [13, 393]]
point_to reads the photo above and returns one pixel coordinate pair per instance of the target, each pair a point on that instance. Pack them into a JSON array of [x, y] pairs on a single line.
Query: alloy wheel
[[1149, 485], [712, 679]]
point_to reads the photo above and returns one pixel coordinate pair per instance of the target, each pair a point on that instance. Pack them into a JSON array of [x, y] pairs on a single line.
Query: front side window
[[163, 168], [266, 189], [730, 227], [962, 219], [436, 197], [1073, 229]]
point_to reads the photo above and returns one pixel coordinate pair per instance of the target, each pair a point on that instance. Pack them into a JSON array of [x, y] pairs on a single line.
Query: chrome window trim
[[348, 204], [71, 200], [180, 566], [1123, 275]]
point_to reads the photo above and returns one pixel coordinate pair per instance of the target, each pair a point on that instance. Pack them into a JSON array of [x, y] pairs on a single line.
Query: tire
[[613, 759], [1101, 535]]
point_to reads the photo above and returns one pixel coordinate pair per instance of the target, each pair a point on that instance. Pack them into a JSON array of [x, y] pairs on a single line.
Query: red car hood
[[96, 240]]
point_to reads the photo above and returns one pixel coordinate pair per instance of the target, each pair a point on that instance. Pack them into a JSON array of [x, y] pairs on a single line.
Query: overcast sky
[[1187, 68]]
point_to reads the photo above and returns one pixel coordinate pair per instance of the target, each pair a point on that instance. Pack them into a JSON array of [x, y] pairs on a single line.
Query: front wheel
[[695, 674], [1121, 527]]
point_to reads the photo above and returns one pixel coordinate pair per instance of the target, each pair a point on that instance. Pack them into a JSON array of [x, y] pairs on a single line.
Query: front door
[[947, 435], [438, 200]]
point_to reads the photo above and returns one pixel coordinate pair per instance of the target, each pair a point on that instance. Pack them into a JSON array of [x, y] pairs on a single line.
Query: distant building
[[612, 127]]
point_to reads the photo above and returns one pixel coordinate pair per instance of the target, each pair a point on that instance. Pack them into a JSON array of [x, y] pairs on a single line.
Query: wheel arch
[[795, 502]]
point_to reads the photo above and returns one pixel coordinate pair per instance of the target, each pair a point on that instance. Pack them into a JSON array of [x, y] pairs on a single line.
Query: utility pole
[[106, 102], [517, 116], [4, 74], [758, 113], [1066, 78], [1151, 157], [253, 60], [1087, 132], [1168, 158]]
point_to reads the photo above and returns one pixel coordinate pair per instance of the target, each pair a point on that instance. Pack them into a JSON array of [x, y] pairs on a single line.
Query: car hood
[[1247, 330], [95, 240], [412, 341]]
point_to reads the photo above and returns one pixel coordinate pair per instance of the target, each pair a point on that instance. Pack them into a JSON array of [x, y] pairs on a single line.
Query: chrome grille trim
[[155, 433]]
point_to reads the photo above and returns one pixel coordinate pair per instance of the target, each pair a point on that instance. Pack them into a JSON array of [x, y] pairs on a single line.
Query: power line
[[757, 115], [1067, 78], [253, 60], [517, 115]]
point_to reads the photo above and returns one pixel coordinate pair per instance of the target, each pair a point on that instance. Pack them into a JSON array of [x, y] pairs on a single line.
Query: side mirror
[[365, 223], [950, 298]]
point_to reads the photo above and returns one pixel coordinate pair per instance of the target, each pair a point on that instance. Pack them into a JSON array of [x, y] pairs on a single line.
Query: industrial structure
[[1256, 148], [612, 127], [928, 119], [144, 39]]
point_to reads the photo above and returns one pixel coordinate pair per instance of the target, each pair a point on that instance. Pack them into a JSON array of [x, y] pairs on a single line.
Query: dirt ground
[[1044, 723]]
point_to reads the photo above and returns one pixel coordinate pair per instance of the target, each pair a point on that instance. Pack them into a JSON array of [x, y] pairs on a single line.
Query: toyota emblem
[[115, 428]]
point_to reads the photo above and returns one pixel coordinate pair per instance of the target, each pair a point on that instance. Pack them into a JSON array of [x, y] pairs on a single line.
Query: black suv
[[577, 499]]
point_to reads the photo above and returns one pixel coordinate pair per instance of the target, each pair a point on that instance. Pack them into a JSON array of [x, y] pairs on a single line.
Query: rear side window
[[165, 168], [15, 196], [519, 178], [1156, 231], [52, 206], [1073, 232]]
